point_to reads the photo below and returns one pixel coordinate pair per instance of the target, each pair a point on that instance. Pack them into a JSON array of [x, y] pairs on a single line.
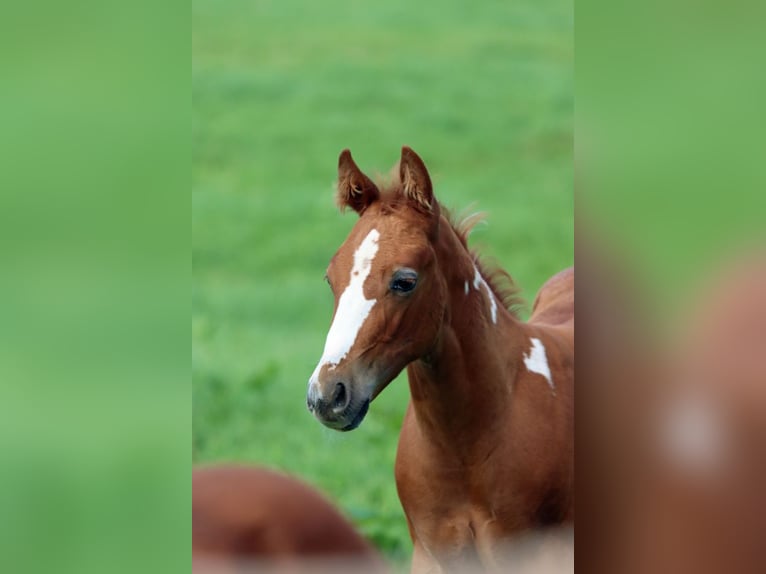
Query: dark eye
[[404, 281]]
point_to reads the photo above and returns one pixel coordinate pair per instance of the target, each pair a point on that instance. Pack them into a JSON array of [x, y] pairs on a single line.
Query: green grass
[[482, 91]]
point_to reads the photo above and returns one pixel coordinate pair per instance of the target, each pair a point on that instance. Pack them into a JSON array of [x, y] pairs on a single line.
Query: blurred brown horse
[[486, 447], [257, 519]]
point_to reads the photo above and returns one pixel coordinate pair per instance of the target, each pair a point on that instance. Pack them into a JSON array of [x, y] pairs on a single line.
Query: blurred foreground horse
[[673, 413], [247, 519], [705, 508], [486, 448]]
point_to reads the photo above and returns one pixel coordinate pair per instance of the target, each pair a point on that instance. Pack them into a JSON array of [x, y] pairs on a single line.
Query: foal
[[486, 448]]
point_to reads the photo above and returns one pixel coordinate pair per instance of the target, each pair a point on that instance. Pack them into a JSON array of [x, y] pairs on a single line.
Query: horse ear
[[355, 190], [416, 183]]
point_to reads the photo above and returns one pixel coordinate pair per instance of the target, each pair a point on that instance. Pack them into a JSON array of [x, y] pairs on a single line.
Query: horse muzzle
[[337, 407]]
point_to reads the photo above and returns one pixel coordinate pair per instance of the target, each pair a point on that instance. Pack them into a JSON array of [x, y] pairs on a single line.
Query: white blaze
[[352, 310], [479, 280], [537, 362]]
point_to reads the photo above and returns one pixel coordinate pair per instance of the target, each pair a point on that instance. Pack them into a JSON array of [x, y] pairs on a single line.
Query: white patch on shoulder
[[479, 280], [465, 287], [693, 434], [353, 308], [537, 362]]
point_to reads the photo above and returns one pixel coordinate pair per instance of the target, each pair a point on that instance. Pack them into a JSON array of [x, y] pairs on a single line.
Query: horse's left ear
[[416, 183], [355, 190]]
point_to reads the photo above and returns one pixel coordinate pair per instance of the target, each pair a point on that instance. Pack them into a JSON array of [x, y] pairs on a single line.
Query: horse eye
[[404, 281]]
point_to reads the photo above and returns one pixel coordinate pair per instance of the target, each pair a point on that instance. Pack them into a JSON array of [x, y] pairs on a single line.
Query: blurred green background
[[482, 91]]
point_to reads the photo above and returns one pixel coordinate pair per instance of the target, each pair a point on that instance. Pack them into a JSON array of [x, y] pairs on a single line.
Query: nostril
[[340, 397]]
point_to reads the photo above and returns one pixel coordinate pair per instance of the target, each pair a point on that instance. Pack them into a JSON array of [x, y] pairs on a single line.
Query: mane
[[462, 223], [499, 280]]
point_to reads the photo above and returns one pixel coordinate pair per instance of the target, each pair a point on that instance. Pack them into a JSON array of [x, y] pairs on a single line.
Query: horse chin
[[358, 418]]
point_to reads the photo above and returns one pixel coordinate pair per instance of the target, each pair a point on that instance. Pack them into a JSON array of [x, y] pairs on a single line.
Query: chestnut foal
[[486, 450]]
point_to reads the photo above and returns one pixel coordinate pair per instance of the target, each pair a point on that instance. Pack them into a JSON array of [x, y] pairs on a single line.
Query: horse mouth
[[358, 418]]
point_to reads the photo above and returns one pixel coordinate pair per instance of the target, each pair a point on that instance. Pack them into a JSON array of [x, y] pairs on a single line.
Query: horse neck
[[461, 386]]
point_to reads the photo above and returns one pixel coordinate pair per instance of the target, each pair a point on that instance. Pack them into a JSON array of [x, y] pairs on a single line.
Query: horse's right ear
[[355, 190]]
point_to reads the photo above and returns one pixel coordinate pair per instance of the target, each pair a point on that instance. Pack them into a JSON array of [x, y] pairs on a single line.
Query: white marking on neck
[[353, 308], [479, 280], [465, 287], [537, 362]]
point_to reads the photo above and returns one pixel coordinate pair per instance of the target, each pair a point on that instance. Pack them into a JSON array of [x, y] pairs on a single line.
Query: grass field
[[482, 91]]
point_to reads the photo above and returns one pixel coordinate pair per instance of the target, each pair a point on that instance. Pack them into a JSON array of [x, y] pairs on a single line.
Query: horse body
[[486, 447]]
